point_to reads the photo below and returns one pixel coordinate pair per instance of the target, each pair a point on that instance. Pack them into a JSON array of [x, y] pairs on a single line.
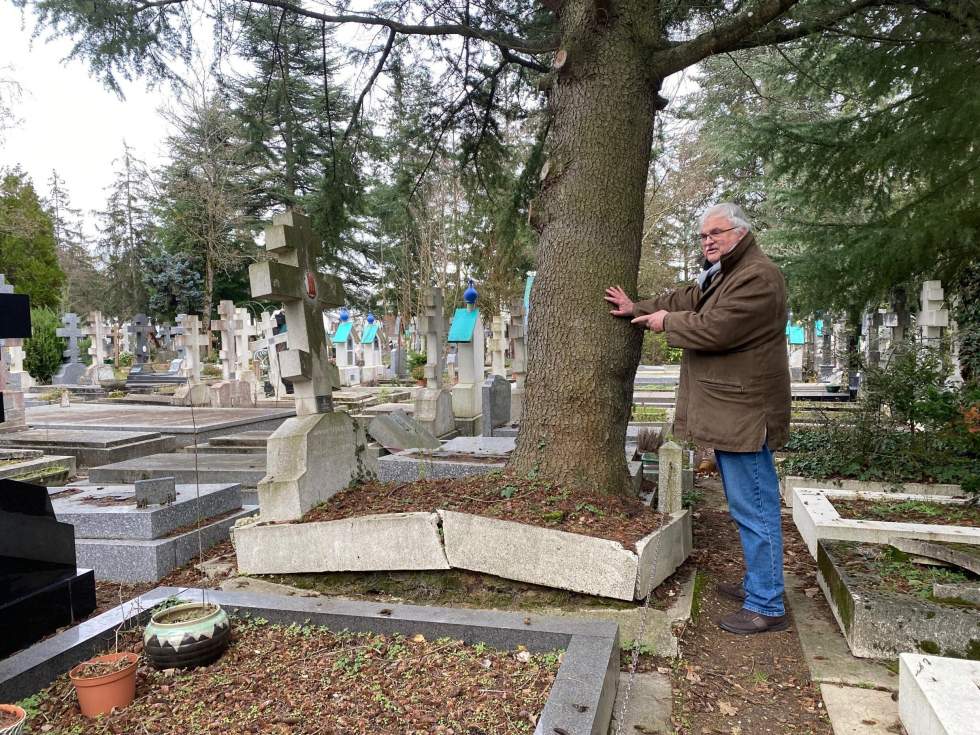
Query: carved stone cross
[[291, 276], [140, 329], [433, 325], [72, 332], [228, 326], [189, 342]]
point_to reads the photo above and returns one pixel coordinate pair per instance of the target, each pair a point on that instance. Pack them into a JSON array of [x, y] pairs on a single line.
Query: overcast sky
[[68, 120]]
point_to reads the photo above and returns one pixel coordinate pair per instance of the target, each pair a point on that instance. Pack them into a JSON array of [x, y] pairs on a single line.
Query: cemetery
[[563, 369]]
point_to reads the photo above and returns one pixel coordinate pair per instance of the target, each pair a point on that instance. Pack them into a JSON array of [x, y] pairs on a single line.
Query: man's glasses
[[713, 235]]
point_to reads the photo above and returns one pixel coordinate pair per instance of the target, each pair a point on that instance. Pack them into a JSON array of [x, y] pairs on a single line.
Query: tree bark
[[582, 361]]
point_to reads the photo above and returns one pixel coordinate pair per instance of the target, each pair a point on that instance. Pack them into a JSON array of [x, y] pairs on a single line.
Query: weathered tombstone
[[434, 404], [318, 452], [15, 325], [466, 332], [98, 350], [373, 369], [227, 326], [73, 371], [518, 365], [243, 340], [190, 340], [498, 346], [269, 340], [933, 316], [155, 491], [396, 431], [139, 330], [125, 338], [344, 341], [496, 403], [670, 487], [41, 589]]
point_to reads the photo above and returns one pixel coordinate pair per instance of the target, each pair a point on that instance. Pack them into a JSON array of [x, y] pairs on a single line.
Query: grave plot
[[246, 469], [816, 517], [31, 465], [863, 487], [938, 695], [348, 667], [246, 442], [886, 604], [512, 528], [182, 424], [124, 542], [90, 448]]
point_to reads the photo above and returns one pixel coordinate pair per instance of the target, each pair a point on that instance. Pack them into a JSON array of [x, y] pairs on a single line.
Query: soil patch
[[423, 455], [94, 669], [908, 511], [303, 680], [504, 497]]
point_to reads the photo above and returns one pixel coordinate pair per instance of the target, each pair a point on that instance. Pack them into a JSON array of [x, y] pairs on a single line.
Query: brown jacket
[[734, 391]]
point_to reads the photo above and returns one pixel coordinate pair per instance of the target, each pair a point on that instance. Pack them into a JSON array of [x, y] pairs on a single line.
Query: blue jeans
[[752, 489]]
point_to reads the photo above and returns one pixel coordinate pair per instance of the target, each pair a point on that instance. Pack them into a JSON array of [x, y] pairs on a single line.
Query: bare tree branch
[[367, 87]]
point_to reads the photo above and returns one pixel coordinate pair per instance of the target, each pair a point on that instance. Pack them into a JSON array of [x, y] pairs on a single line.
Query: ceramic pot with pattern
[[186, 636]]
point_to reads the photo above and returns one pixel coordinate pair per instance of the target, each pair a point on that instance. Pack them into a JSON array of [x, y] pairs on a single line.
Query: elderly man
[[734, 393]]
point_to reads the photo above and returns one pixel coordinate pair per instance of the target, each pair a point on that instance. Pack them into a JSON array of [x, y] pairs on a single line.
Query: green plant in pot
[[12, 719], [186, 635]]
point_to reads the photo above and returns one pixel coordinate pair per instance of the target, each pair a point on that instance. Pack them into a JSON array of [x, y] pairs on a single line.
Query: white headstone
[[433, 404], [933, 315], [518, 365], [269, 341], [227, 326], [498, 346], [189, 342]]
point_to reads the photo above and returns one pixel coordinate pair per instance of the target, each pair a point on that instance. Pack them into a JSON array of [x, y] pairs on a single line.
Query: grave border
[[816, 519], [945, 702], [580, 701], [789, 483]]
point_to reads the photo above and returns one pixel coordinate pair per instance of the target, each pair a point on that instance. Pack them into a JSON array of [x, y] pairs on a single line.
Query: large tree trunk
[[582, 361]]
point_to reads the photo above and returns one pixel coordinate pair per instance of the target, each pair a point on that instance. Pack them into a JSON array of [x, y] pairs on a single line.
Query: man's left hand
[[653, 322]]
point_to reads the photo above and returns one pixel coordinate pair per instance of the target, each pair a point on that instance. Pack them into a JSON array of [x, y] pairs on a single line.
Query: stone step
[[184, 467]]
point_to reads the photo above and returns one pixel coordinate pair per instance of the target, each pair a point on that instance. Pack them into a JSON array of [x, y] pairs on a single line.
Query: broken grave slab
[[883, 624], [580, 701], [388, 541], [28, 465], [938, 696], [396, 432], [816, 518], [962, 555]]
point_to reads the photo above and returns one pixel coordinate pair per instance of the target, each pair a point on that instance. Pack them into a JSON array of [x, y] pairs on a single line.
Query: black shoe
[[734, 591], [746, 622]]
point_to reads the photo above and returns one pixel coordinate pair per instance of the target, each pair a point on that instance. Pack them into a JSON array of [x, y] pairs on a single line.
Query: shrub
[[125, 359], [43, 351]]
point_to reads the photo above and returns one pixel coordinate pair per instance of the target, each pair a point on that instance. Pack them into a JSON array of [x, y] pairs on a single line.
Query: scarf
[[705, 276]]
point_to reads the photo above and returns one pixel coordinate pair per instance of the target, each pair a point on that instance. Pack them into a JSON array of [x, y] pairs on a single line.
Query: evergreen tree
[[84, 285], [28, 253], [126, 231], [43, 352]]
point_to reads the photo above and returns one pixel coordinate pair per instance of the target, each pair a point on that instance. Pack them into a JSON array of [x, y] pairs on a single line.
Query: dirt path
[[739, 685]]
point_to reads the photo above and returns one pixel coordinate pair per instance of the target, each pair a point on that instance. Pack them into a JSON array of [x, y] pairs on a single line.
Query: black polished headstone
[[41, 588], [15, 316]]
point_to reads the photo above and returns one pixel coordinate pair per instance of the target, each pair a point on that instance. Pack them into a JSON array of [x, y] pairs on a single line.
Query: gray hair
[[731, 211]]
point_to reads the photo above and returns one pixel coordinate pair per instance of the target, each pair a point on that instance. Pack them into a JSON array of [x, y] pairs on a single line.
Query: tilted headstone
[[518, 365], [396, 431], [433, 404], [139, 330], [155, 491], [319, 452], [670, 487], [466, 332], [41, 588], [496, 403], [73, 371]]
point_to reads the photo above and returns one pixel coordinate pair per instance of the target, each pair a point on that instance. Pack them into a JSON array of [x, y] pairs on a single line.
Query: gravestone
[[41, 589], [73, 371], [466, 333], [139, 330], [269, 340], [518, 365], [319, 452], [344, 341], [98, 350], [227, 326], [15, 325], [190, 340], [496, 403], [125, 338], [933, 316], [434, 404], [670, 487], [156, 491], [243, 340], [396, 431], [498, 347]]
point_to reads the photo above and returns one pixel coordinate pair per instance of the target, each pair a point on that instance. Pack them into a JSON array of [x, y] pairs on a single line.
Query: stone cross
[[498, 346], [291, 276], [96, 330], [189, 342], [123, 338], [140, 330], [227, 326], [243, 336], [72, 332], [433, 325], [933, 315], [269, 341]]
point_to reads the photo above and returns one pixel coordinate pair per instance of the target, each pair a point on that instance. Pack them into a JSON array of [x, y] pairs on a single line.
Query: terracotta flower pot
[[185, 636], [12, 710], [98, 695]]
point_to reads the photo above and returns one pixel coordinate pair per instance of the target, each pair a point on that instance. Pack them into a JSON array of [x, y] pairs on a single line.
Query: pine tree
[[84, 285]]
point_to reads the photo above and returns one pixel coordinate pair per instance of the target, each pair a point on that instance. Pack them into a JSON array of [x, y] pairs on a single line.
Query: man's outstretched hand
[[623, 305]]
